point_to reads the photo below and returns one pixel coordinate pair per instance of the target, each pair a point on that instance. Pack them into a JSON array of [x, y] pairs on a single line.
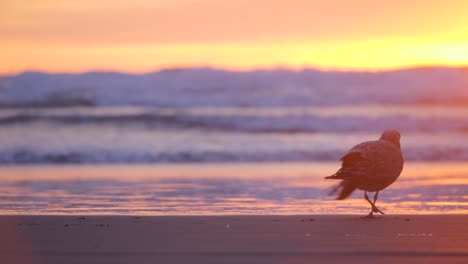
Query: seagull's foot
[[370, 215]]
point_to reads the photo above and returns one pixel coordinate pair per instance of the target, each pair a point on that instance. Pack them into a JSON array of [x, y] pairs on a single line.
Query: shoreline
[[360, 214]]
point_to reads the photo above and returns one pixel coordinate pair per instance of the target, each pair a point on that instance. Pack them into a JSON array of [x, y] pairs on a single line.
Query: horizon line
[[239, 70]]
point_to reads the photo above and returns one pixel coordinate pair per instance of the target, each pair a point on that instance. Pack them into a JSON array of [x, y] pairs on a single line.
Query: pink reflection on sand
[[192, 189]]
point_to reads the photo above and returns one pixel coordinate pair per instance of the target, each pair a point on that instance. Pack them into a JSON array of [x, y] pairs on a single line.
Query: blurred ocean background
[[207, 115], [159, 123]]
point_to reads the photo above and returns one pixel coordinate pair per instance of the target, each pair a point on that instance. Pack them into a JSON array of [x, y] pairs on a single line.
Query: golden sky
[[145, 35]]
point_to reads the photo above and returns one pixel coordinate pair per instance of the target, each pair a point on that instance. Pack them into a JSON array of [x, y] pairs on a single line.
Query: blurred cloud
[[229, 34], [207, 21]]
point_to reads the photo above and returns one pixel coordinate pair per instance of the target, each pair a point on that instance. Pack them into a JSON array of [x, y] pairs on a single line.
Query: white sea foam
[[208, 87]]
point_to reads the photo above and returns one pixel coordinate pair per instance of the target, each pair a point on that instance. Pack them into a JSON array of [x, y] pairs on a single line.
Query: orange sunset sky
[[146, 35]]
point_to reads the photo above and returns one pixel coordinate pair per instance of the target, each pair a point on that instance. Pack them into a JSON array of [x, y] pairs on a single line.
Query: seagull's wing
[[353, 166], [350, 157], [349, 165]]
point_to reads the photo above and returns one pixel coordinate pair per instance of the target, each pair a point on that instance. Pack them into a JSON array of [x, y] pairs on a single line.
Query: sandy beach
[[234, 239]]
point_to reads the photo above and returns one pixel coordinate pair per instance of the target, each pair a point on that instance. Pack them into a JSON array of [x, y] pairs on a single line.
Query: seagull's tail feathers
[[337, 175], [341, 174], [334, 176], [344, 189]]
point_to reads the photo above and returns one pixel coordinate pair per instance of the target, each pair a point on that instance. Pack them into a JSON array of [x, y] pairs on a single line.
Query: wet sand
[[234, 239], [203, 189]]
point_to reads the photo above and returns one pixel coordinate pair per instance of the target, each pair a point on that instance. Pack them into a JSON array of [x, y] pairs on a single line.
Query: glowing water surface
[[205, 189]]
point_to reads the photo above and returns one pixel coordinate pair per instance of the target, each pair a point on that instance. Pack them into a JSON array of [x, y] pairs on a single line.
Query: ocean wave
[[31, 156], [210, 87], [287, 123]]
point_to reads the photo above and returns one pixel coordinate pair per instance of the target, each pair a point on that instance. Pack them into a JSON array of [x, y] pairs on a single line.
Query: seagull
[[370, 166]]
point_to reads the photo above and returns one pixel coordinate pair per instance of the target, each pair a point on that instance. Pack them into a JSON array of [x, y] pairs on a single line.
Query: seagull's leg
[[375, 209], [371, 214]]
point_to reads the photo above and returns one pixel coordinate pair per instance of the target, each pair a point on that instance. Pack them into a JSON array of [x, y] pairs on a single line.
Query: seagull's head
[[391, 135]]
